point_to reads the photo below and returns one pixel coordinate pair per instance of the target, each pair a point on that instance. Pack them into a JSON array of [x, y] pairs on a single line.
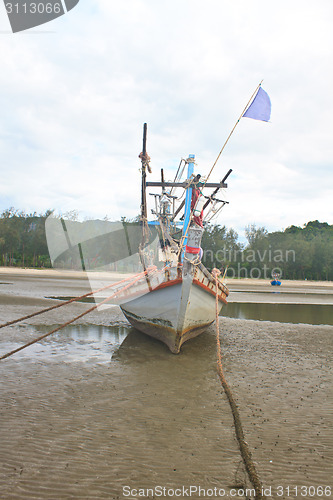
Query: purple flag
[[260, 108]]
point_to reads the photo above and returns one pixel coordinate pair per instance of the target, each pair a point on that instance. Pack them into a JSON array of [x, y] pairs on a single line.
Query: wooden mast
[[143, 157], [144, 222]]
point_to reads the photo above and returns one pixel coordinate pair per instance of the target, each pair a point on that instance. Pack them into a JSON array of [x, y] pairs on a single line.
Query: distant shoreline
[[63, 273]]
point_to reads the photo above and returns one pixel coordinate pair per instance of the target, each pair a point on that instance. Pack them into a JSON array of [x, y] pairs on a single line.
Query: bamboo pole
[[237, 122]]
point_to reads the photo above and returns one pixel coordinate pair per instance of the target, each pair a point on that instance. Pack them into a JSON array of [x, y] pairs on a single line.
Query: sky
[[76, 91]]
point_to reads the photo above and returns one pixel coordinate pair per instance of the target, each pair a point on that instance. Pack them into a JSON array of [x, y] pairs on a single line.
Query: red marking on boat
[[192, 249], [168, 283], [207, 289]]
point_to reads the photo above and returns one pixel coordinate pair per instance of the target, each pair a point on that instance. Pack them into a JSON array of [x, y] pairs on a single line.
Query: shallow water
[[312, 314], [96, 343]]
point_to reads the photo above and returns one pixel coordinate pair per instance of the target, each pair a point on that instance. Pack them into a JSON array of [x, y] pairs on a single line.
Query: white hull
[[177, 308]]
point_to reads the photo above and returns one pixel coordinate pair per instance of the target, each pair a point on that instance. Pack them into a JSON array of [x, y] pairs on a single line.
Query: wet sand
[[84, 425]]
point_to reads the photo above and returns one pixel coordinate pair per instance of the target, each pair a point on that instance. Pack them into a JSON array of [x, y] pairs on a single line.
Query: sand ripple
[[83, 427]]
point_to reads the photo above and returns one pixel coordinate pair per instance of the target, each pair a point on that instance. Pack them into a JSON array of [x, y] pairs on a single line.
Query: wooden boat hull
[[176, 310]]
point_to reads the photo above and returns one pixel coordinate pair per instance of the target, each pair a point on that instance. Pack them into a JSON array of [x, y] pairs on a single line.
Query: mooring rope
[[74, 299], [243, 446], [77, 317]]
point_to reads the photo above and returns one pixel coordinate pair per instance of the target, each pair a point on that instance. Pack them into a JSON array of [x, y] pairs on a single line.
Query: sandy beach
[[99, 406]]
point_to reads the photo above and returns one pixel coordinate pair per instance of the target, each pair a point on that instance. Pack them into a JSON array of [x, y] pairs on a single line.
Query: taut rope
[[74, 299], [243, 446], [138, 277]]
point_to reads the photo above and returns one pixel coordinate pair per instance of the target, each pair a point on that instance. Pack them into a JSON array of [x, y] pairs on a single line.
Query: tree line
[[295, 253], [22, 239]]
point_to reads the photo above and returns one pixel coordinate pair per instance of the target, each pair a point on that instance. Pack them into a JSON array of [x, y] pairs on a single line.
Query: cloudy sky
[[76, 91]]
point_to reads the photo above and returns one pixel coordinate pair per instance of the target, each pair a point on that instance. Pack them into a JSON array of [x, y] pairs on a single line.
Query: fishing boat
[[177, 301], [174, 297]]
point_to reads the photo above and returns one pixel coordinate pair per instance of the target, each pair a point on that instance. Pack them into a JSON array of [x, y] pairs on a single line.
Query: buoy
[[199, 206]]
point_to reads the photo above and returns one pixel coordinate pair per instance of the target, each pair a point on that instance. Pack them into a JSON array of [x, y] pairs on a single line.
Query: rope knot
[[216, 272], [145, 158]]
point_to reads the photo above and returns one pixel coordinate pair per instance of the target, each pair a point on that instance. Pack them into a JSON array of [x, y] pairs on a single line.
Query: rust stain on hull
[[163, 332], [177, 309]]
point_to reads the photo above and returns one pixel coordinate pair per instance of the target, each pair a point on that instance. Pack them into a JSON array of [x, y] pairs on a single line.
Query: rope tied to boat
[[243, 446], [135, 279], [74, 299]]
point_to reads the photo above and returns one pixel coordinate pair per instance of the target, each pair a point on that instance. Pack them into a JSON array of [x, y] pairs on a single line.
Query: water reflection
[[313, 314], [74, 343]]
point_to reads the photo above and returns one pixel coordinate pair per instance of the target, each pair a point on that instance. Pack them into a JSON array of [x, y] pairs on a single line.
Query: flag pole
[[237, 122]]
